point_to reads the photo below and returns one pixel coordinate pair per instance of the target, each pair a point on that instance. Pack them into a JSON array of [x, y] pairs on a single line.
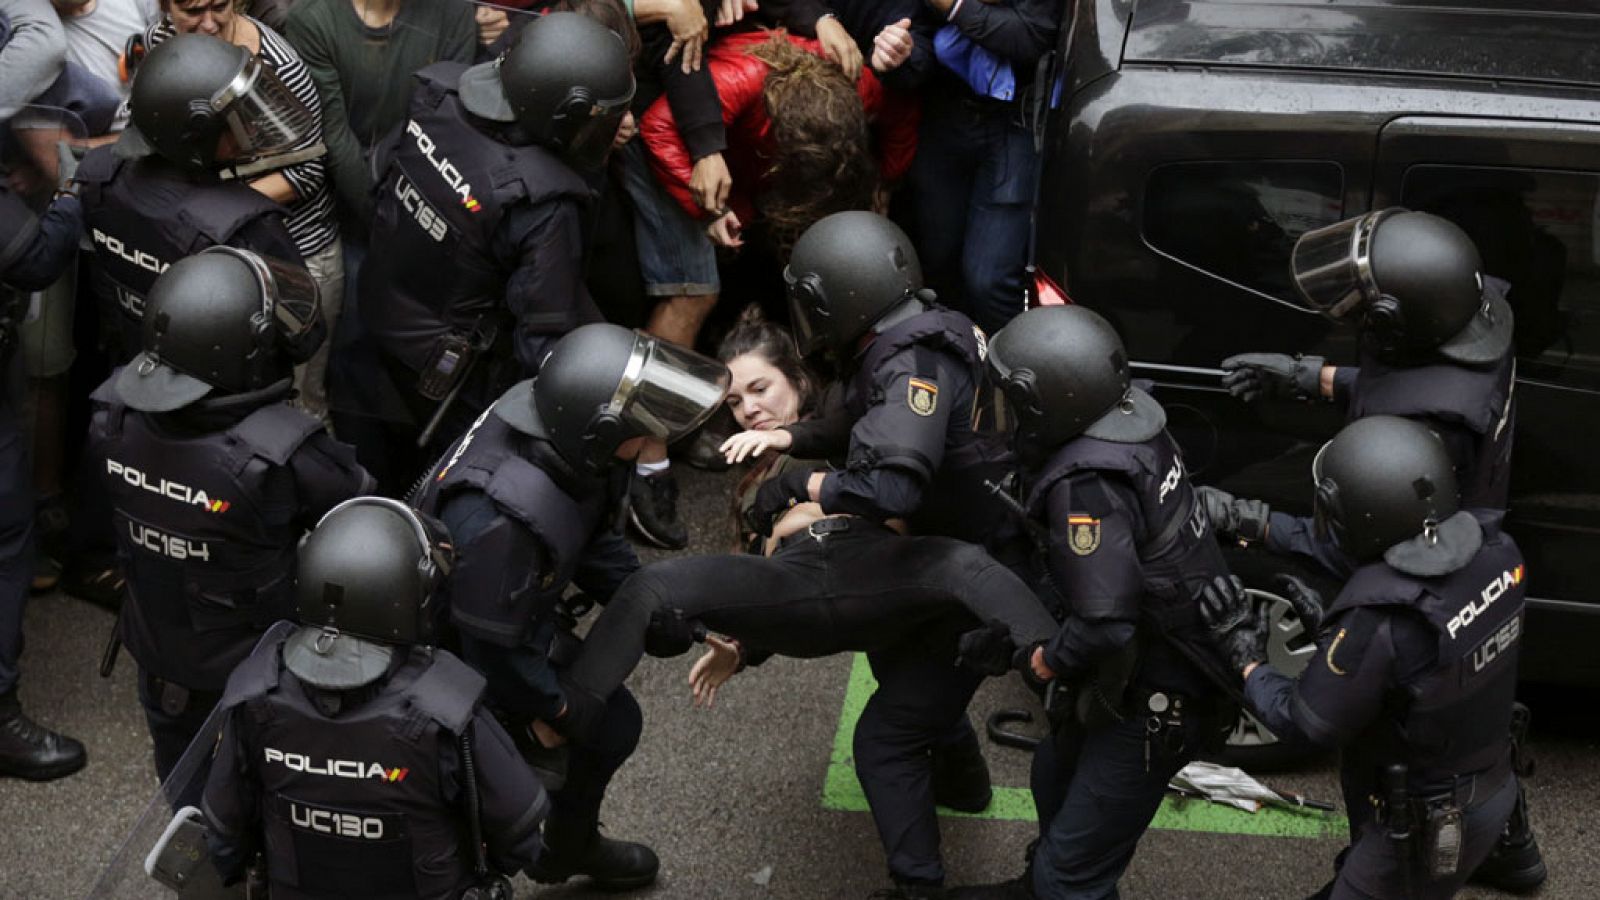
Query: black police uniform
[[210, 501], [144, 215], [30, 259], [1129, 548], [1417, 671], [1471, 408], [473, 238], [359, 793], [525, 525], [913, 454]]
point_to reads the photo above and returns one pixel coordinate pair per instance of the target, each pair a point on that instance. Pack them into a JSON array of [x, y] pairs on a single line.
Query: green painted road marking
[[841, 790]]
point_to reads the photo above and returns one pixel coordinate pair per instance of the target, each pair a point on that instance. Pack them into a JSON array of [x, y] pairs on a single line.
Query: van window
[[1536, 228], [1239, 220]]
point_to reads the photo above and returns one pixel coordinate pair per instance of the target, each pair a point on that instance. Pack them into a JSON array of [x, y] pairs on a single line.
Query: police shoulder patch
[[1083, 534], [922, 396]]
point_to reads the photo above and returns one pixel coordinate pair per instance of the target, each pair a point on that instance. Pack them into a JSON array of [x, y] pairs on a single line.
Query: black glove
[[775, 496], [582, 715], [1233, 517], [1305, 599], [670, 634], [987, 650], [1251, 376], [1231, 618]]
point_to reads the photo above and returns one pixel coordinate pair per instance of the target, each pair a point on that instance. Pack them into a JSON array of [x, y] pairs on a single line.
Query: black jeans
[[865, 588]]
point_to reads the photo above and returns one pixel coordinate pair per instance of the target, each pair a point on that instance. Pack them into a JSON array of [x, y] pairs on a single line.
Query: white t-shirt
[[95, 40]]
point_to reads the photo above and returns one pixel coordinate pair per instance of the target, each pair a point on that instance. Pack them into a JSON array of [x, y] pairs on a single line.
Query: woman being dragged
[[822, 584]]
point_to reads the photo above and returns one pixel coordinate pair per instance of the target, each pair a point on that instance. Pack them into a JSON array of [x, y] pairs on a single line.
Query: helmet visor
[[806, 312], [591, 142], [1332, 267], [289, 291], [264, 117], [666, 391]]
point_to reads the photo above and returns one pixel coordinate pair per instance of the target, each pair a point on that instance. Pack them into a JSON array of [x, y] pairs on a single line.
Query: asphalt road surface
[[755, 798]]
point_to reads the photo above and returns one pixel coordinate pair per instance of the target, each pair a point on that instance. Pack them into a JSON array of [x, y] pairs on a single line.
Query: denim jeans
[[973, 180]]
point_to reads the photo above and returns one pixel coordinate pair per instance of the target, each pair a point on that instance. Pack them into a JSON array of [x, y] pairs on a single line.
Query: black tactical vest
[[206, 530], [956, 503], [440, 200], [1178, 554], [144, 215], [487, 460], [1453, 720], [1483, 400], [354, 805]]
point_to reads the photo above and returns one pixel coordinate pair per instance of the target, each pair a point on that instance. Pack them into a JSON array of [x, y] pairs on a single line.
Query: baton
[[108, 657]]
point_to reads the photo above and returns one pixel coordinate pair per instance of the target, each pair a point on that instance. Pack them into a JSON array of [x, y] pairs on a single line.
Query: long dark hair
[[753, 334]]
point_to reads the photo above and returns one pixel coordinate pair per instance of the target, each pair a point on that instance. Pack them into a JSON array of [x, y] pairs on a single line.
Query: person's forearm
[[1081, 644], [32, 57], [276, 187]]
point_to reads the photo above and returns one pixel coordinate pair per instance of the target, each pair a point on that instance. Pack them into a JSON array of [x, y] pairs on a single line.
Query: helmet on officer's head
[[201, 102], [1382, 481], [365, 581], [566, 81], [1064, 373], [1412, 281], [603, 384], [224, 320], [846, 273]]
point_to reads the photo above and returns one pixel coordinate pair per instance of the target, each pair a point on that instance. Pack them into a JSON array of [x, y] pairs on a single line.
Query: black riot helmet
[[1064, 373], [365, 581], [201, 102], [566, 81], [1381, 481], [1411, 281], [603, 384], [223, 320], [846, 273]]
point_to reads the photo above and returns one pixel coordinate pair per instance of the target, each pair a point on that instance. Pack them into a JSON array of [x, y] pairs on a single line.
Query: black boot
[[1015, 889], [1515, 865], [961, 778], [581, 850], [908, 890], [31, 751]]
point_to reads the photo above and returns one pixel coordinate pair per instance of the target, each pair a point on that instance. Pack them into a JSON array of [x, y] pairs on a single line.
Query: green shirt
[[364, 77]]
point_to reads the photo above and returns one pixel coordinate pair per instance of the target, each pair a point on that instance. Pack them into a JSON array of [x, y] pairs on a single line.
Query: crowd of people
[[389, 318]]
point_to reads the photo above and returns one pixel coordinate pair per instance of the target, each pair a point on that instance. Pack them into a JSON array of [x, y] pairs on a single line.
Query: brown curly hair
[[824, 162]]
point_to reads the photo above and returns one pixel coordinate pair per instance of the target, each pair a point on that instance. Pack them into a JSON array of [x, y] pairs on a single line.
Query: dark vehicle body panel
[[1197, 139]]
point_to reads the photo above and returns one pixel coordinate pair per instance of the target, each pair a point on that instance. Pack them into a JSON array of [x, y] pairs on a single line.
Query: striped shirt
[[310, 220]]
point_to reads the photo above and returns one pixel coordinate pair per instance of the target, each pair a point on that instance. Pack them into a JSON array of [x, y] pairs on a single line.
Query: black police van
[[1197, 139]]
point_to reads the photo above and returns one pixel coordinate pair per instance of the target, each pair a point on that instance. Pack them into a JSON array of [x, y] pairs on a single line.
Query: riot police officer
[[1415, 670], [477, 243], [905, 430], [202, 111], [213, 475], [1435, 347], [355, 755], [532, 494], [1126, 550], [33, 253]]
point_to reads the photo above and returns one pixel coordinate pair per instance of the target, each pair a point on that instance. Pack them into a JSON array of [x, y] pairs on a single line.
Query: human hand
[[1230, 616], [545, 735], [733, 11], [839, 46], [711, 182], [750, 444], [1041, 669], [714, 667], [892, 46], [670, 634], [1305, 599], [492, 23], [775, 496], [687, 22], [726, 230], [1252, 376], [986, 650], [1233, 517]]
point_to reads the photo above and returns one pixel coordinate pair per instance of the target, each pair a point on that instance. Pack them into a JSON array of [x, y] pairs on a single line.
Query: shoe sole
[[969, 807], [612, 885], [652, 540], [1520, 882], [45, 773]]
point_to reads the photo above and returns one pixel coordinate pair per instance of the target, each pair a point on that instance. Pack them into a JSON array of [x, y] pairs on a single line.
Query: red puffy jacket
[[739, 78]]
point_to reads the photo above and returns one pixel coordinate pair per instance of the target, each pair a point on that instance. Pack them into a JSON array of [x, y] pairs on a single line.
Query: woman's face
[[213, 17], [761, 397]]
